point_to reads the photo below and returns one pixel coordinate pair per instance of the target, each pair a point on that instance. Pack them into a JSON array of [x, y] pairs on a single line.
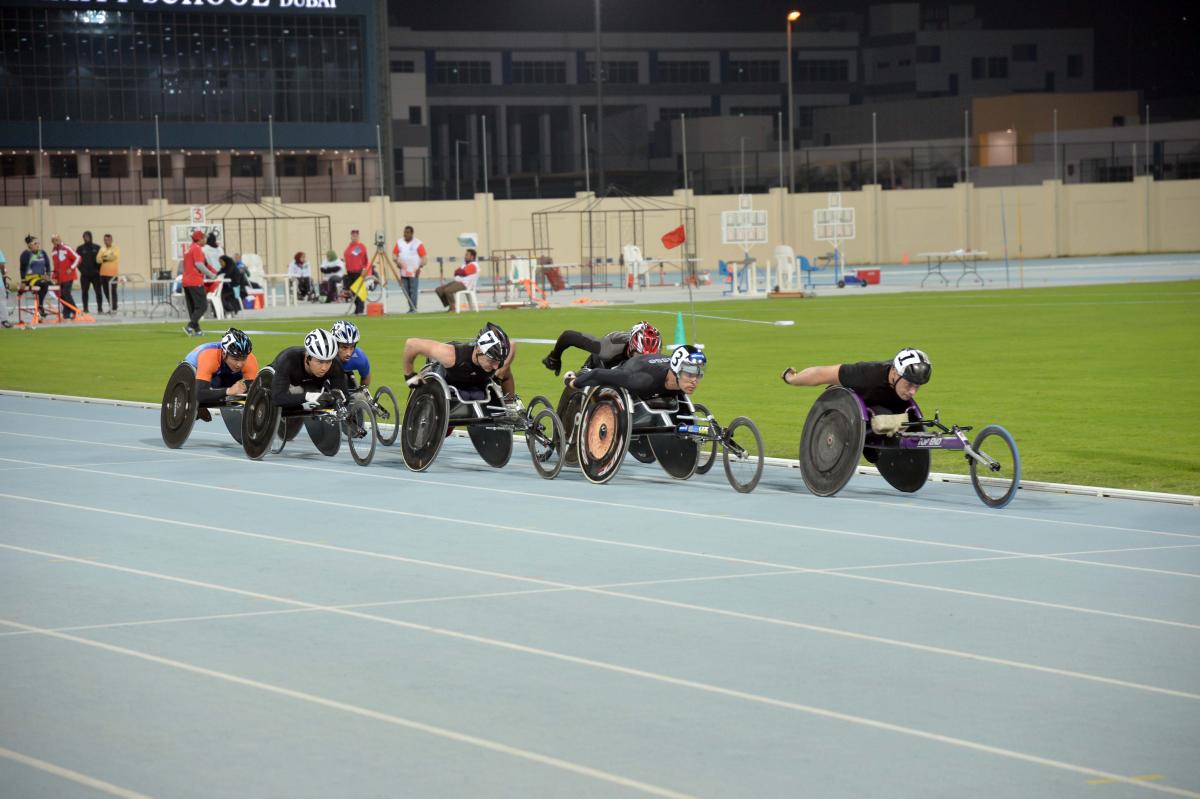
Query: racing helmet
[[345, 332], [236, 343], [644, 339], [913, 365], [493, 342], [688, 359], [319, 344]]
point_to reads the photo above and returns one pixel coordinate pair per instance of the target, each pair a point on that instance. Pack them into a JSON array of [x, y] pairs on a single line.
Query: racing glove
[[512, 405], [786, 372], [313, 400], [412, 379], [568, 378], [553, 363]]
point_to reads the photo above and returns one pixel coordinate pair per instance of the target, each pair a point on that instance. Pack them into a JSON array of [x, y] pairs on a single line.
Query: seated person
[[222, 369], [608, 352], [300, 272], [234, 279], [886, 387], [332, 271], [351, 358], [304, 375], [469, 366], [647, 376], [465, 276]]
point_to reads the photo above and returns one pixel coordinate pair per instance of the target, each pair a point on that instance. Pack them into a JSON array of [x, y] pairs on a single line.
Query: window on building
[[110, 166], [1074, 66], [754, 71], [823, 71], [12, 166], [200, 166], [539, 72], [246, 166], [978, 67], [997, 66], [64, 166], [615, 72], [883, 64], [404, 66], [1024, 52], [804, 122], [150, 165], [414, 115], [682, 72], [295, 166], [452, 72], [929, 54]]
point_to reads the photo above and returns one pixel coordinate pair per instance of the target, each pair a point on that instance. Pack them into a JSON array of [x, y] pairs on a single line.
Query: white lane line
[[100, 463], [836, 571], [388, 718], [73, 776], [708, 517], [427, 480], [863, 721], [814, 628]]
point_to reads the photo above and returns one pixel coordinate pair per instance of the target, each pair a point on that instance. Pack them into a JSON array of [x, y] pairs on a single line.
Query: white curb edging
[[941, 477]]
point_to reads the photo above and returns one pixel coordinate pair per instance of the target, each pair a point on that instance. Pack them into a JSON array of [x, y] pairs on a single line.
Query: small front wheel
[[743, 455], [547, 440], [361, 430], [708, 455], [387, 413], [997, 486]]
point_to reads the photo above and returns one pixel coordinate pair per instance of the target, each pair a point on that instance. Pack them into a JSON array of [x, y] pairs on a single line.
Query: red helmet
[[644, 339]]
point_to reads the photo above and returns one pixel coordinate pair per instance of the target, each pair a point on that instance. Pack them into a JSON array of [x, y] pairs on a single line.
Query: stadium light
[[791, 17]]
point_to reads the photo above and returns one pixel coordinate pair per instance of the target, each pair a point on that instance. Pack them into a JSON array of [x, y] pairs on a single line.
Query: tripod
[[374, 278]]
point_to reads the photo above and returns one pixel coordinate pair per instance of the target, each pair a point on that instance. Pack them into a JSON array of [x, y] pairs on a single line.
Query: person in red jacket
[[63, 261], [356, 260], [195, 272]]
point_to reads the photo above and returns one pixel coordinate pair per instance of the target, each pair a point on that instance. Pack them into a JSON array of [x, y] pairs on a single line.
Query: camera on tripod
[[380, 241]]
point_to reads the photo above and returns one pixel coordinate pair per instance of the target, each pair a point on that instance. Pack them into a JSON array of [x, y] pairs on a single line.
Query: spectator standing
[[35, 270], [331, 275], [195, 272], [213, 252], [4, 292], [356, 260], [109, 258], [465, 278], [89, 271], [65, 262], [409, 255], [300, 271]]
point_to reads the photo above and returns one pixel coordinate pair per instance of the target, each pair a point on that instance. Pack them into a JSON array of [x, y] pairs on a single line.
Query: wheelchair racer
[[304, 376], [469, 366], [886, 387], [608, 352], [647, 376], [350, 356], [223, 368]]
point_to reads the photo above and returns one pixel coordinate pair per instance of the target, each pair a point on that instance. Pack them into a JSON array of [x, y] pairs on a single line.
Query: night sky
[[1149, 46]]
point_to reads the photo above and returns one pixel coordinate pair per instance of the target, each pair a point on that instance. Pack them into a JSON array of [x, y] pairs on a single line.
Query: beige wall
[[1047, 220]]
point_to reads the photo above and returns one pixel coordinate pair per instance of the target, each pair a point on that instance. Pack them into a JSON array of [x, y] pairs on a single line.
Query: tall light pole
[[791, 17], [457, 192], [599, 73]]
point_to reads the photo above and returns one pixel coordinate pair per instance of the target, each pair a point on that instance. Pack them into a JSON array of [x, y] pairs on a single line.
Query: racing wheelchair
[[435, 406], [180, 406], [840, 427], [267, 428], [609, 422]]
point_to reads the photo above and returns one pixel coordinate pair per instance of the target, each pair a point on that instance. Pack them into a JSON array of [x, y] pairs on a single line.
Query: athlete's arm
[[638, 383], [812, 376], [504, 373], [364, 369], [207, 364], [434, 350], [573, 338]]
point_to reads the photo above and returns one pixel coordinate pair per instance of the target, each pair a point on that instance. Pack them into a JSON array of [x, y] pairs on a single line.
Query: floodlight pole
[[157, 154], [1147, 139], [1055, 144], [598, 71], [792, 17], [683, 136], [457, 184], [379, 157], [874, 152], [587, 173]]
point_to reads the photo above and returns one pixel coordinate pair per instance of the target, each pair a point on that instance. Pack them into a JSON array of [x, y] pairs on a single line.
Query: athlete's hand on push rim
[[237, 389]]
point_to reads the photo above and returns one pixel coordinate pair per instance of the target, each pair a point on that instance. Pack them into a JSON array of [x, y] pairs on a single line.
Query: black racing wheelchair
[[680, 435], [266, 428], [180, 407], [435, 407], [840, 427]]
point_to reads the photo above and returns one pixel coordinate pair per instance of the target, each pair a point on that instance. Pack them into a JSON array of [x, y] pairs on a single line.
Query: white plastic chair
[[785, 262], [634, 263], [470, 296]]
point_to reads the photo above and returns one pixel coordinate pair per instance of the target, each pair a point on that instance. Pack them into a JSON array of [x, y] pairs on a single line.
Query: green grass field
[[1087, 379]]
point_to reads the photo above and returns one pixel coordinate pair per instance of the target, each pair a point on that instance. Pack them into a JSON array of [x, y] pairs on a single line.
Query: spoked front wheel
[[362, 430], [387, 416], [743, 455], [708, 454], [996, 483], [546, 440]]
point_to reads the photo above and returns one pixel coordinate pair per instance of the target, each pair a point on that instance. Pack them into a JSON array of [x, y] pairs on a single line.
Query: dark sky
[[1150, 46]]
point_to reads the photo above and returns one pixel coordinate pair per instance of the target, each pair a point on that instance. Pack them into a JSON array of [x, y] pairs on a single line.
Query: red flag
[[674, 238]]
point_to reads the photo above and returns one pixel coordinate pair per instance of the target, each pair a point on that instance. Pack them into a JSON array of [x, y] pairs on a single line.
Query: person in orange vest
[[195, 272], [356, 260], [409, 255], [465, 278]]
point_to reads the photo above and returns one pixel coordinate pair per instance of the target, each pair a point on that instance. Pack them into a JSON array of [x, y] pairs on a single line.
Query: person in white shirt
[[213, 251], [465, 278], [409, 256], [300, 271], [332, 270]]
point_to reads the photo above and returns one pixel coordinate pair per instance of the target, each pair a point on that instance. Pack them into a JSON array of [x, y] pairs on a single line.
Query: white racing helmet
[[319, 344], [913, 365]]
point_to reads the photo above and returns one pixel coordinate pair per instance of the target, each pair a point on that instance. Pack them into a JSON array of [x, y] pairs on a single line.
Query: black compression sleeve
[[207, 395], [639, 383], [573, 338]]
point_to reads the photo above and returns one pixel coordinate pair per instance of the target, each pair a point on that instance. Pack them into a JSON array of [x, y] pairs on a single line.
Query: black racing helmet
[[236, 343], [913, 365], [493, 342]]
